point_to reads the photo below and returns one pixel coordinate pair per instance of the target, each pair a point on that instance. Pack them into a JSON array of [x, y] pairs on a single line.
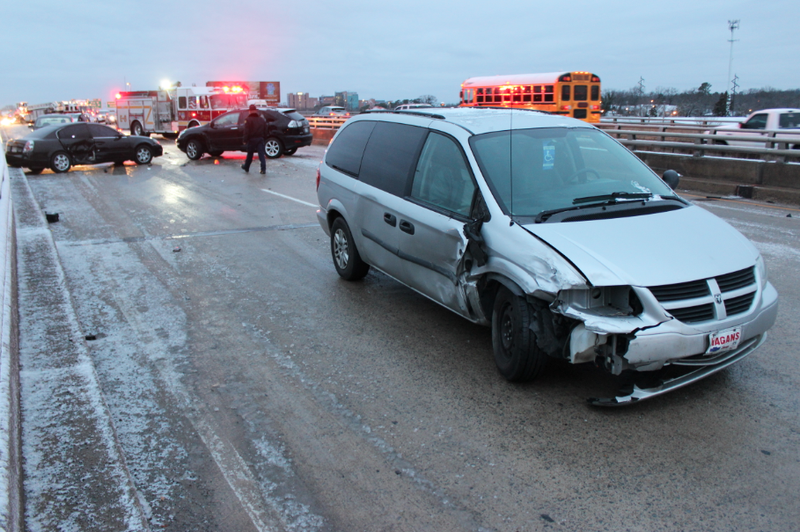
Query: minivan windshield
[[531, 171]]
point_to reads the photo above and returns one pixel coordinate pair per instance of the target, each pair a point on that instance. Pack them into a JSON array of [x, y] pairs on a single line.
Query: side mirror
[[671, 178]]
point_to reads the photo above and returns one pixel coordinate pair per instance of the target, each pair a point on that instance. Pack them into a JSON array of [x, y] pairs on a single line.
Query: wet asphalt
[[249, 388]]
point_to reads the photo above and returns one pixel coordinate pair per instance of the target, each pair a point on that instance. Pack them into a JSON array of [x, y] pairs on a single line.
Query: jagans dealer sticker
[[724, 340]]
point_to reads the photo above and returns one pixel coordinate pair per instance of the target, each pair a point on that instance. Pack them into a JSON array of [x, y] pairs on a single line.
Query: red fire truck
[[170, 111]]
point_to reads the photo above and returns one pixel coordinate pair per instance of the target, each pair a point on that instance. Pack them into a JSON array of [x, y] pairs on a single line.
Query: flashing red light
[[194, 114], [566, 107], [118, 96]]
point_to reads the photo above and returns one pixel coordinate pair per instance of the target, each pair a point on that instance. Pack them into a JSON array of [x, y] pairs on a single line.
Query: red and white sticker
[[724, 340]]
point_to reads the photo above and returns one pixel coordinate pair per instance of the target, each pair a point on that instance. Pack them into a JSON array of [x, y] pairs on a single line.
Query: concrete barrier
[[10, 429], [757, 179]]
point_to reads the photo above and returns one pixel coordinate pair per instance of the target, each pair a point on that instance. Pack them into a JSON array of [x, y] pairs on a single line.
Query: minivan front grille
[[678, 292], [694, 314], [735, 280], [739, 305], [694, 302]]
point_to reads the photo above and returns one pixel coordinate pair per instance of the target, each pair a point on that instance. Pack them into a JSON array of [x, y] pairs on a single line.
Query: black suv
[[287, 130]]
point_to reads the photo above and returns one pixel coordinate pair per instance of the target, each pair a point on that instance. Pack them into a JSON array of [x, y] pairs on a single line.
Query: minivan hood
[[650, 250]]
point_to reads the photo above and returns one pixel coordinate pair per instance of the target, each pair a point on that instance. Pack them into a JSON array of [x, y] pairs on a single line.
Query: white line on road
[[289, 198]]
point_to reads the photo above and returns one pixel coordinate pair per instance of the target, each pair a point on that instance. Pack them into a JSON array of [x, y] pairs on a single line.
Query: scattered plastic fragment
[[176, 249], [52, 217]]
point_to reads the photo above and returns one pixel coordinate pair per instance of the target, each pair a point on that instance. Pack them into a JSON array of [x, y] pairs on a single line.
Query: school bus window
[[565, 93], [595, 92], [580, 93]]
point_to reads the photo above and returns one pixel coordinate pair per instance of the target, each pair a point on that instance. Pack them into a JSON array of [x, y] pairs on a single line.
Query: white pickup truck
[[780, 123]]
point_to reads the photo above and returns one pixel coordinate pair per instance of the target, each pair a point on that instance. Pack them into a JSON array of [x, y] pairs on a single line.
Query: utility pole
[[733, 94], [641, 92], [733, 25]]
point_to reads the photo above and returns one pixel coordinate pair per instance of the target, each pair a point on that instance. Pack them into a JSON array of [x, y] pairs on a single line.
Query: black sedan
[[60, 146], [287, 130]]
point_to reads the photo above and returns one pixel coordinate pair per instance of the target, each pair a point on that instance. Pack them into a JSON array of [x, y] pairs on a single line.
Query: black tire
[[516, 354], [60, 162], [273, 147], [194, 149], [136, 128], [143, 154], [170, 136], [346, 259], [35, 171], [290, 151], [192, 124], [215, 153]]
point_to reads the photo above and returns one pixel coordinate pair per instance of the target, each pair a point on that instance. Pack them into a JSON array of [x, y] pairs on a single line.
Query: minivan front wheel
[[346, 259], [516, 354]]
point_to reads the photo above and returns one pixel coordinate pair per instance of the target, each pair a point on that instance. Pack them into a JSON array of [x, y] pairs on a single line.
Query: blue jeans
[[254, 145]]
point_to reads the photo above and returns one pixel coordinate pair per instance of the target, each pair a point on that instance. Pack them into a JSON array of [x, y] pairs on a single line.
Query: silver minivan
[[553, 234]]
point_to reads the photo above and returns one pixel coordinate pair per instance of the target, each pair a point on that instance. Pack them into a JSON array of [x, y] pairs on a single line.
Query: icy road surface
[[249, 388]]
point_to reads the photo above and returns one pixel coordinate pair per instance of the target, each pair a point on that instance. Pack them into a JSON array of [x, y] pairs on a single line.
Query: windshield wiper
[[613, 197], [593, 201]]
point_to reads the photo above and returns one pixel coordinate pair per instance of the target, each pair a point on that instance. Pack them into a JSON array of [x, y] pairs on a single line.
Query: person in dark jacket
[[255, 133]]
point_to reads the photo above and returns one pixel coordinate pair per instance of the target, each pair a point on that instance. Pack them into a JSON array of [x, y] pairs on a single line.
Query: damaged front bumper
[[636, 394], [644, 344]]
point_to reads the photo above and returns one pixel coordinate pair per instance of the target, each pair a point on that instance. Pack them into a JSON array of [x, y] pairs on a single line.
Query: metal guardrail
[[671, 120], [655, 132], [769, 146], [326, 122]]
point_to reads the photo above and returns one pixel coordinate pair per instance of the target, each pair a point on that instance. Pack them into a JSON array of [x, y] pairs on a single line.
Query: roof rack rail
[[513, 109], [408, 112]]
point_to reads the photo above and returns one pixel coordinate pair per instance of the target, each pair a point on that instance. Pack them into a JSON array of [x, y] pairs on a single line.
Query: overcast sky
[[57, 50]]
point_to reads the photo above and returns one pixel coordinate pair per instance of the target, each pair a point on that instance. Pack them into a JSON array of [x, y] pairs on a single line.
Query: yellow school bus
[[575, 94]]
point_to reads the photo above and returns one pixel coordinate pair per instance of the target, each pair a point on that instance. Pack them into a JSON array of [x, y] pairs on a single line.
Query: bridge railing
[[769, 146], [326, 122]]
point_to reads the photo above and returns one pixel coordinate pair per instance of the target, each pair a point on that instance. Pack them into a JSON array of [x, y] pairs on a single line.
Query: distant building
[[347, 99], [302, 101], [327, 100]]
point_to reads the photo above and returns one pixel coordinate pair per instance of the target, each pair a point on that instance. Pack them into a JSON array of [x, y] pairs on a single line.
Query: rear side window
[[99, 131], [345, 154], [390, 156], [789, 121], [294, 115], [77, 131]]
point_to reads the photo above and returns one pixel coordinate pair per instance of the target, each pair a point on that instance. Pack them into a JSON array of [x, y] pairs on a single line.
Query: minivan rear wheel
[[516, 354], [346, 259]]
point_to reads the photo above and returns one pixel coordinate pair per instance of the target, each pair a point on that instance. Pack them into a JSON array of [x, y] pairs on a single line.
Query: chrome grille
[[678, 292], [740, 279], [738, 305], [693, 301], [694, 314]]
